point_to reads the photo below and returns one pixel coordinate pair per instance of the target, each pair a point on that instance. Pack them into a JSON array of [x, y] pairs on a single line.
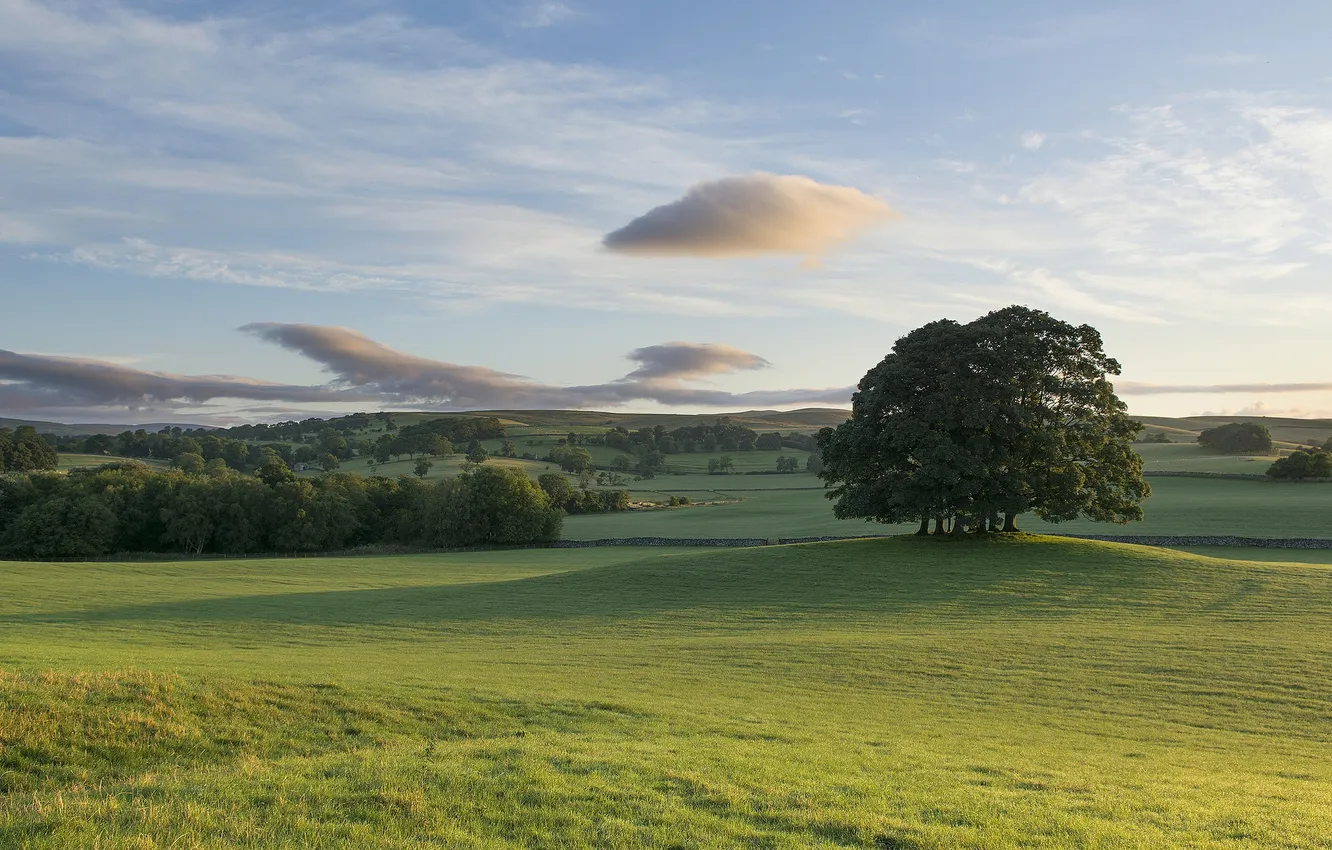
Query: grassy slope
[[1177, 506], [75, 460], [1190, 457], [1284, 429], [902, 693]]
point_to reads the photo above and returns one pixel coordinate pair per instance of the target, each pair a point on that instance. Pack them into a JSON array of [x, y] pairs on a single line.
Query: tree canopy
[[1008, 414], [1238, 438], [1302, 465]]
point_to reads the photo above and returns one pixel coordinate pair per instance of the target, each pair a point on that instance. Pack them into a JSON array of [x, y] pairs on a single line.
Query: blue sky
[[438, 178]]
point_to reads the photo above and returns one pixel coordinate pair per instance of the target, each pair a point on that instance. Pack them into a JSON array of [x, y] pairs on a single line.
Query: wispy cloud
[[1142, 388], [1032, 140], [544, 13], [369, 374], [368, 366]]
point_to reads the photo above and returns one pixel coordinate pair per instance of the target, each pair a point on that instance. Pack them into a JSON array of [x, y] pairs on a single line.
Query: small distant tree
[[557, 487], [191, 463], [440, 445], [422, 467], [814, 463], [275, 471], [650, 464], [508, 449], [573, 459], [476, 453], [787, 464], [329, 462], [771, 442], [621, 464], [725, 465], [215, 467], [1238, 438]]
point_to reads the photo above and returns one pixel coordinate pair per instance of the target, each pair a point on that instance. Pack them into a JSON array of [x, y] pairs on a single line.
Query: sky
[[218, 212]]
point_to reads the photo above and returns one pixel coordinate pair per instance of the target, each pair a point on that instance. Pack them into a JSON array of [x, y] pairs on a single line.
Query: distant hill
[[1294, 432], [810, 417], [1289, 431], [61, 429]]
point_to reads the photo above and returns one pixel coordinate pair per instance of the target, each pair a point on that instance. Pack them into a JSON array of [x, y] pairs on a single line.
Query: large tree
[[965, 423]]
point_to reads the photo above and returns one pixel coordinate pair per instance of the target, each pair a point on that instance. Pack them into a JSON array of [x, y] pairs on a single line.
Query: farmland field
[[75, 460], [1177, 506], [892, 693]]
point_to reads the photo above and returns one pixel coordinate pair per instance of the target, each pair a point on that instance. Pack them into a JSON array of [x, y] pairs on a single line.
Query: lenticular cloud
[[748, 215]]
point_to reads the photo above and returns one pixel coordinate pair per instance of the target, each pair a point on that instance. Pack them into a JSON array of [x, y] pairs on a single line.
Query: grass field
[[1190, 457], [75, 460], [1177, 506], [895, 693]]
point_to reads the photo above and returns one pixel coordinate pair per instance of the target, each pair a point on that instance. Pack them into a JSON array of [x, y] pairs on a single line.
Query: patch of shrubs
[[1302, 465], [563, 495]]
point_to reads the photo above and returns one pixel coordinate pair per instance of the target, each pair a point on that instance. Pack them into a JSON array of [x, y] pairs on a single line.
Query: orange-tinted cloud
[[748, 215]]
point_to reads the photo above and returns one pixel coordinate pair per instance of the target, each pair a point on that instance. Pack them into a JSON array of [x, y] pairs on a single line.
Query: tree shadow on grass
[[869, 577]]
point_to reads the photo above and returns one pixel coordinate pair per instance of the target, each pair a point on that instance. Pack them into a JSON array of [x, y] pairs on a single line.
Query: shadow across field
[[897, 576]]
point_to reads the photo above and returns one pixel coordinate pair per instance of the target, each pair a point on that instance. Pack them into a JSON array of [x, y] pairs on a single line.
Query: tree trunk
[[938, 525], [1010, 523], [924, 526], [959, 526], [994, 522]]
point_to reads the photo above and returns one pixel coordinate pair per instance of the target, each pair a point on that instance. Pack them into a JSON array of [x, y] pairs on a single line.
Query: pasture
[[903, 693], [75, 460], [1177, 506]]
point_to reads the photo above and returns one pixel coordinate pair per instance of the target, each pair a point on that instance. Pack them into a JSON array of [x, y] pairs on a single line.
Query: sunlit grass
[[898, 693]]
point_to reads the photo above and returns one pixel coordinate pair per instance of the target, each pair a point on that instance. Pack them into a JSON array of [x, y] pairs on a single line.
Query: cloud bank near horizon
[[749, 215], [369, 373]]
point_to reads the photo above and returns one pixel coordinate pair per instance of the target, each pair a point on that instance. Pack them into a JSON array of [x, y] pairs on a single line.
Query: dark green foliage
[[724, 435], [650, 464], [563, 495], [788, 464], [1156, 437], [571, 458], [814, 463], [557, 487], [1007, 414], [476, 453], [1302, 465], [130, 508], [488, 505], [422, 467], [721, 465], [1238, 438], [23, 450]]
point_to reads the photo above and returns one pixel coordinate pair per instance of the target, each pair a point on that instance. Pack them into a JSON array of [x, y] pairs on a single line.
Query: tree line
[[724, 435], [129, 507]]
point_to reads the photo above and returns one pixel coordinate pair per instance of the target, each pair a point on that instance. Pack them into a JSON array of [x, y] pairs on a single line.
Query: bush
[[1302, 465]]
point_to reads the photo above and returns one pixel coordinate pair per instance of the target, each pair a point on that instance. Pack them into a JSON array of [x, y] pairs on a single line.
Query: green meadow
[[901, 693], [1177, 506]]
